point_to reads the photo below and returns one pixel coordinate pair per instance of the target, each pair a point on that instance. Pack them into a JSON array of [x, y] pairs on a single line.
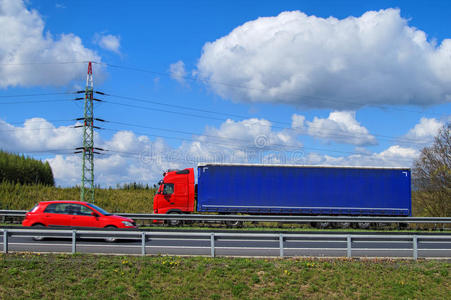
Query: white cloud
[[27, 52], [308, 61], [394, 156], [423, 132], [66, 169], [127, 141], [37, 134], [251, 133], [109, 42], [131, 157], [250, 140], [341, 127], [297, 122], [178, 72]]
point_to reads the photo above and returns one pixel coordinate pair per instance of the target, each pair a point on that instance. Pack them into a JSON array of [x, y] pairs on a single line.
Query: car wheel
[[38, 237], [110, 239]]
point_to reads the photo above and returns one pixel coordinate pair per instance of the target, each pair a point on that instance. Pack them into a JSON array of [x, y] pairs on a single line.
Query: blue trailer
[[304, 190]]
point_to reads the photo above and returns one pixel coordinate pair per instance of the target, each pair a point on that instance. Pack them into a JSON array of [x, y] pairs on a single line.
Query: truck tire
[[174, 222]]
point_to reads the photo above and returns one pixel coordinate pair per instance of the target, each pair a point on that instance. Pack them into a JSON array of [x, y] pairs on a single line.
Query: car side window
[[55, 208], [77, 209], [85, 211]]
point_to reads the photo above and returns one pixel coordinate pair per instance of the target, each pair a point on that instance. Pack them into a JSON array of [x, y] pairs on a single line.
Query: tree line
[[432, 176], [24, 170]]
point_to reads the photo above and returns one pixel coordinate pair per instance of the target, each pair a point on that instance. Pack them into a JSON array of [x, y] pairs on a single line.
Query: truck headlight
[[127, 223]]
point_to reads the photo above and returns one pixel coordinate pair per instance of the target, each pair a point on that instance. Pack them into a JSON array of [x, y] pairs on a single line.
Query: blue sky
[[299, 82]]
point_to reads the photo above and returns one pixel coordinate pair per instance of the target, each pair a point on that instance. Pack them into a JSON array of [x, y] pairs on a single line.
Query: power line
[[187, 107], [403, 140], [298, 130], [52, 151], [142, 155], [38, 101], [33, 129], [35, 95], [267, 149], [44, 63]]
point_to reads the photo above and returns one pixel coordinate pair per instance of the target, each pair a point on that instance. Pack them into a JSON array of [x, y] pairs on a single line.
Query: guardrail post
[[415, 247], [5, 241], [348, 246], [74, 241], [212, 244], [143, 243], [281, 245]]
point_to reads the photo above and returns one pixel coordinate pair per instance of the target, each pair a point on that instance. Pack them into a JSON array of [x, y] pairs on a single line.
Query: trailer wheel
[[363, 225], [238, 224], [403, 226], [343, 225], [322, 225]]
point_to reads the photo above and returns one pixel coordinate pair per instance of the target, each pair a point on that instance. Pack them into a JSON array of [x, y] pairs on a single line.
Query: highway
[[233, 246]]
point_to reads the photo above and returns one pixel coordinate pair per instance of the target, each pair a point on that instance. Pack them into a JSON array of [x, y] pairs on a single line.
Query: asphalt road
[[170, 245]]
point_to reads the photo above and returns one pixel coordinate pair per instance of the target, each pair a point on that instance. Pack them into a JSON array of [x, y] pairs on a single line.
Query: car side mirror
[[94, 214]]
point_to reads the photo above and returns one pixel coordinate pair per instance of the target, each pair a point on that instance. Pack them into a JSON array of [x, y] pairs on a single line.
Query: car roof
[[64, 201]]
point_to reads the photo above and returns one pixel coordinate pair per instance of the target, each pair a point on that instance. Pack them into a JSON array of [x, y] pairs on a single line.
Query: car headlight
[[127, 223]]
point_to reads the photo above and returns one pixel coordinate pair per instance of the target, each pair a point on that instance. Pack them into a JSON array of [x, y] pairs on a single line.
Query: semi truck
[[286, 190]]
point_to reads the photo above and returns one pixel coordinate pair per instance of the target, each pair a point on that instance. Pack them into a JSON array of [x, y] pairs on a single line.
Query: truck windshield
[[160, 189], [168, 188]]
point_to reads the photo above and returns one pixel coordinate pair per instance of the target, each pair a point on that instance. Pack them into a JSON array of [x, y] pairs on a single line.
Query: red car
[[75, 214]]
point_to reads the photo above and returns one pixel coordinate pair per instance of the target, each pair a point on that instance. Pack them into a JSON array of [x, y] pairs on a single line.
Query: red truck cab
[[176, 193]]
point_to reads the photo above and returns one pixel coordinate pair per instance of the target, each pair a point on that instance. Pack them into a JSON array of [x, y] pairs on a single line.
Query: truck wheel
[[174, 222]]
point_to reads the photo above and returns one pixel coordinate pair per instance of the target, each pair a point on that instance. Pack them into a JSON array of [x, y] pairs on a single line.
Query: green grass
[[16, 196], [24, 276]]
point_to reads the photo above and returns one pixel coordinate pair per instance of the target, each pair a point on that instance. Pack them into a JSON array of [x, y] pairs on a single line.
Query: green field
[[24, 276], [16, 196]]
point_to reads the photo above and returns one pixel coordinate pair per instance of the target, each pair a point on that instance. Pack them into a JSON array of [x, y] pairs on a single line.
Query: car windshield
[[34, 208], [103, 212]]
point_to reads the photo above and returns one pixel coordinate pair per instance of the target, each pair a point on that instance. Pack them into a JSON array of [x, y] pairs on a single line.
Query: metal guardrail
[[413, 240], [267, 218]]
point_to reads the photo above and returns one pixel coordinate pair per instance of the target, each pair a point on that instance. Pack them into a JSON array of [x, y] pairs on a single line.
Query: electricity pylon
[[88, 149]]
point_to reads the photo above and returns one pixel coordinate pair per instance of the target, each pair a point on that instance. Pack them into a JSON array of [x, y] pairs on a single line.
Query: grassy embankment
[[16, 196], [107, 277]]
